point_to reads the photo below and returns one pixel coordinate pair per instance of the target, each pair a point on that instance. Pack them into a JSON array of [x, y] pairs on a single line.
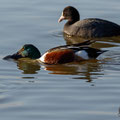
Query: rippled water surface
[[89, 90]]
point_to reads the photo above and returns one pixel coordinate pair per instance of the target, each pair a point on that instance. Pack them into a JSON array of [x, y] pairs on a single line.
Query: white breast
[[42, 58]]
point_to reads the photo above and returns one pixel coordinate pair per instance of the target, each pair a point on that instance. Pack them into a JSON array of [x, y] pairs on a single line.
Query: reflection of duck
[[85, 70], [60, 54], [87, 28], [82, 70], [28, 67], [103, 42]]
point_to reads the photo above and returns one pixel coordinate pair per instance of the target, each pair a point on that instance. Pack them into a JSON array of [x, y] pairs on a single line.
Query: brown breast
[[59, 56]]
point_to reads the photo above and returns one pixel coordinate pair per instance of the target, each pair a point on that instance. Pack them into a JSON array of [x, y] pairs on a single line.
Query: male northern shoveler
[[87, 28], [58, 55]]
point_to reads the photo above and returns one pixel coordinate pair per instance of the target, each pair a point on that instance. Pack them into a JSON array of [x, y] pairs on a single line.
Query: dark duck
[[87, 28]]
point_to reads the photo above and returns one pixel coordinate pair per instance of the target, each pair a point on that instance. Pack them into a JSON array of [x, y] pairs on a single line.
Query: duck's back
[[92, 27]]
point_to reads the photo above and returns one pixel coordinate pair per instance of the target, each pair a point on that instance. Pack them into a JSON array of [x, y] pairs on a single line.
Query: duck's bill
[[15, 56], [61, 18]]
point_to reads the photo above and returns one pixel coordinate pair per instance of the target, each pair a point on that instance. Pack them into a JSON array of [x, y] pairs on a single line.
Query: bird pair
[[87, 28]]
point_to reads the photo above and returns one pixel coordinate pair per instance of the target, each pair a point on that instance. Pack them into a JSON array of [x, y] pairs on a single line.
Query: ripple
[[56, 33]]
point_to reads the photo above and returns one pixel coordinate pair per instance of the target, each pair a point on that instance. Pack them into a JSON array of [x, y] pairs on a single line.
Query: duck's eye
[[65, 14]]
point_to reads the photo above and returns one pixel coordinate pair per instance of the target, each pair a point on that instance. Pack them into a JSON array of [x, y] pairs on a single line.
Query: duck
[[58, 55], [89, 27]]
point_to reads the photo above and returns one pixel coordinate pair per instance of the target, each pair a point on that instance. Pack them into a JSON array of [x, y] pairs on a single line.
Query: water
[[88, 90]]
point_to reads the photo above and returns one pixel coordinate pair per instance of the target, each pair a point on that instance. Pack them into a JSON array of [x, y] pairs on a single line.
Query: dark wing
[[92, 52], [78, 45]]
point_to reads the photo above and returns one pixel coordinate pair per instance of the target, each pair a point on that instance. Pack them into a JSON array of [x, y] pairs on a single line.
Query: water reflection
[[119, 111], [83, 70], [87, 70], [28, 67], [100, 42]]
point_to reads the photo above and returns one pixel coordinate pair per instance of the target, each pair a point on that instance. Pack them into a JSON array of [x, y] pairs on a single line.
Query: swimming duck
[[87, 28], [58, 55]]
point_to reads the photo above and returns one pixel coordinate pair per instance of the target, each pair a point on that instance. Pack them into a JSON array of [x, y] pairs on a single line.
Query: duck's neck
[[73, 20], [36, 56]]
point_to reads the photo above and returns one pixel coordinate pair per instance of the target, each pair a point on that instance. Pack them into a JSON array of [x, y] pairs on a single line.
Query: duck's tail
[[99, 52]]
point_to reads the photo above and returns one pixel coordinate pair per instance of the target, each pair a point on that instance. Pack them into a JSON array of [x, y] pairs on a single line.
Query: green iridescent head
[[27, 51]]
